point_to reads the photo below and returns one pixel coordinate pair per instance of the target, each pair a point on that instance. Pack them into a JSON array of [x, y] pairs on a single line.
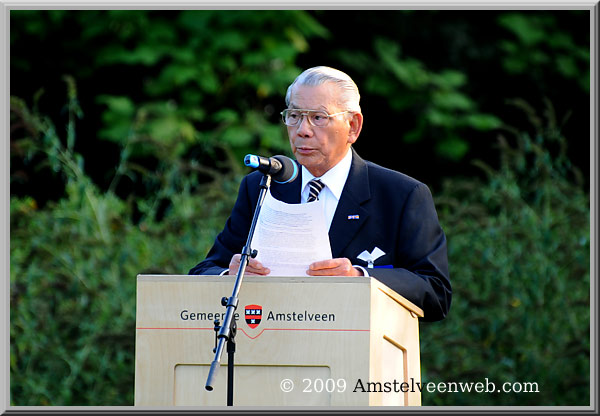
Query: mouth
[[304, 150]]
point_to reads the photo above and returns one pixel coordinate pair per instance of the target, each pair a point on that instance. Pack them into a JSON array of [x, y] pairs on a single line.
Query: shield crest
[[253, 315]]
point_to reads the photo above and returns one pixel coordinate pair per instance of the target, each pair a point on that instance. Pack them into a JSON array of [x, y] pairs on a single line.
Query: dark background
[[45, 47]]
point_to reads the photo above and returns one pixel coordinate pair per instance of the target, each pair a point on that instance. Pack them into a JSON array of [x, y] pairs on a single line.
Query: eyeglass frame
[[304, 112]]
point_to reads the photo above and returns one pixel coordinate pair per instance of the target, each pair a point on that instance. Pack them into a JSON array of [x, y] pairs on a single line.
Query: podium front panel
[[300, 341]]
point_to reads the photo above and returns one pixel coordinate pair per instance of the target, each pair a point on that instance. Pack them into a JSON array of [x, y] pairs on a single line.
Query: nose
[[304, 128]]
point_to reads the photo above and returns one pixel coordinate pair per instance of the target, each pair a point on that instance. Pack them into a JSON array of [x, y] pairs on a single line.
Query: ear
[[356, 123]]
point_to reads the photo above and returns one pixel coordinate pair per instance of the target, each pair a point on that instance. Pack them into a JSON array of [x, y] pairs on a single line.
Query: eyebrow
[[321, 107]]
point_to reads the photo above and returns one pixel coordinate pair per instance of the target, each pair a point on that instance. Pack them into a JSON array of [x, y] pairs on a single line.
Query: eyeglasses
[[316, 118]]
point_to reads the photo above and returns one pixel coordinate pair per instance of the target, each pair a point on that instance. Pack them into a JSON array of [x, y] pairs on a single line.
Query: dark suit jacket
[[396, 213]]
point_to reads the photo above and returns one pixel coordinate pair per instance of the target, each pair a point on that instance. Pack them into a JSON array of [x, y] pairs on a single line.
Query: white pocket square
[[371, 257]]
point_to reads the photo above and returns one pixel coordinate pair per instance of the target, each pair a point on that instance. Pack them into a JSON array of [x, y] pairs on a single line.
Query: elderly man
[[367, 207]]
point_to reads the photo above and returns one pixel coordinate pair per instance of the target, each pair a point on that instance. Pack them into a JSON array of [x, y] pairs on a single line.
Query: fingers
[[333, 267], [254, 267], [328, 264]]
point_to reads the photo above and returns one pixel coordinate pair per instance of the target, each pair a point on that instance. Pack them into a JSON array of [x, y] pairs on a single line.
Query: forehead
[[315, 97]]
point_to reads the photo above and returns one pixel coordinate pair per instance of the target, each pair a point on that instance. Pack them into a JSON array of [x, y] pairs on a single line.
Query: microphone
[[281, 168]]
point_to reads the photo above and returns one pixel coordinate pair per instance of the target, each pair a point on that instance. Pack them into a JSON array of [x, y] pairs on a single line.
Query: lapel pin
[[353, 217]]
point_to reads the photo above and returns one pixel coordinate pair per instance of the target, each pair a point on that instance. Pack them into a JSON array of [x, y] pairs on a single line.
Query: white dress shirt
[[334, 180]]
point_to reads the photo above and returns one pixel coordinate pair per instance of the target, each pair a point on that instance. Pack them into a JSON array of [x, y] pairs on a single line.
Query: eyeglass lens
[[316, 118]]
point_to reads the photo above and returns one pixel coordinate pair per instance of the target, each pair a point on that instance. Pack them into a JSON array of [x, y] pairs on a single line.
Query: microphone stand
[[226, 332]]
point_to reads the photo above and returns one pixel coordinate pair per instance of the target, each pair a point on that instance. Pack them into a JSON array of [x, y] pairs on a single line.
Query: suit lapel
[[356, 192]]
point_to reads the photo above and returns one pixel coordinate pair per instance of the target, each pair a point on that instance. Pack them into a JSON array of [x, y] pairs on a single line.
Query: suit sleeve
[[233, 237], [420, 272]]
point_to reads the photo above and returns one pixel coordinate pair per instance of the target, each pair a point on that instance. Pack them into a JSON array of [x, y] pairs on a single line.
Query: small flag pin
[[353, 217]]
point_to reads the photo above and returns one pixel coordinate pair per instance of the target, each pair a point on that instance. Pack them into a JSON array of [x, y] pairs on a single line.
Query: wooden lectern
[[321, 341]]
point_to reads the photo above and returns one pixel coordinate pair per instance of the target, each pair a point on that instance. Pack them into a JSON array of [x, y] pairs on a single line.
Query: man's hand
[[333, 267], [254, 267]]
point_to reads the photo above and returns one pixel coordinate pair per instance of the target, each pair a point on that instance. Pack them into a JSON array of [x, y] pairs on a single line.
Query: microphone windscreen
[[289, 170]]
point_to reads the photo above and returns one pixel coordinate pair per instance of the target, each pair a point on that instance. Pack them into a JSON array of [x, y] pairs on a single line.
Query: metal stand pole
[[228, 329]]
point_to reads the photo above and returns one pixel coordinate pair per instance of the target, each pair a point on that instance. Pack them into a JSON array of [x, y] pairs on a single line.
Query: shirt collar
[[334, 178]]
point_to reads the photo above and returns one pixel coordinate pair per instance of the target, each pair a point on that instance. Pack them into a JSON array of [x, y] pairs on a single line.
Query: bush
[[73, 268], [519, 247]]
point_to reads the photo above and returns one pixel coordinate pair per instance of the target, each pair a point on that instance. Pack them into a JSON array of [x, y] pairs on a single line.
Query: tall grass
[[73, 267], [519, 253]]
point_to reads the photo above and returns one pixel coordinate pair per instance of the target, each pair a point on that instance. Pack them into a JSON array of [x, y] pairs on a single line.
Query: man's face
[[321, 148]]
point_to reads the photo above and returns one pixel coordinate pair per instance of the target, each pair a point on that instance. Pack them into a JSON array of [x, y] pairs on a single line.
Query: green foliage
[[211, 84], [208, 84], [434, 100], [207, 62], [445, 88], [536, 47], [73, 267], [519, 255]]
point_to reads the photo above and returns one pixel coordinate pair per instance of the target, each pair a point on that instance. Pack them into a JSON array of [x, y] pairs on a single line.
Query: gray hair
[[349, 95]]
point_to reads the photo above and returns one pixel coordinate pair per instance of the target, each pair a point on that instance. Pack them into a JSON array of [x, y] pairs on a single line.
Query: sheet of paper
[[289, 237]]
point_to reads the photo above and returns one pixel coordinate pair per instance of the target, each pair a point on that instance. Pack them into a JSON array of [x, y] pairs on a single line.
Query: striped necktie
[[315, 186]]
